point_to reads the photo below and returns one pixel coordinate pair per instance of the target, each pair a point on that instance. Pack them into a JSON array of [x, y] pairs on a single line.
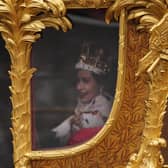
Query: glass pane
[[73, 89]]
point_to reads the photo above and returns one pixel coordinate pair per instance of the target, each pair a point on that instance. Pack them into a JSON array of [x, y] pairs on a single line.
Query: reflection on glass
[[73, 89]]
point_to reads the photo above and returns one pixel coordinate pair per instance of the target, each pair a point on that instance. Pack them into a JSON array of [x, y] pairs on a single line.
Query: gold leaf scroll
[[155, 63], [152, 17], [20, 24], [88, 3], [147, 12]]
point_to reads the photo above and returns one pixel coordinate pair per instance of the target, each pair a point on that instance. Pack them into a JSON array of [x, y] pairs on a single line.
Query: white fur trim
[[82, 65], [64, 128]]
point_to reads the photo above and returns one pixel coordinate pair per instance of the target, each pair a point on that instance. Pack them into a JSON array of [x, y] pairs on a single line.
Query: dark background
[[5, 110]]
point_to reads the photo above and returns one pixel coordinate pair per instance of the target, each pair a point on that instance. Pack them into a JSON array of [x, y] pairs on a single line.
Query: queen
[[94, 104]]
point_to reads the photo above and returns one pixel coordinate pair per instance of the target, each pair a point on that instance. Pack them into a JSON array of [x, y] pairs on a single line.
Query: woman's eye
[[85, 80]]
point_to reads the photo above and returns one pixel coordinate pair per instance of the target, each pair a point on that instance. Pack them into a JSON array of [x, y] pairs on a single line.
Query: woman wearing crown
[[94, 105]]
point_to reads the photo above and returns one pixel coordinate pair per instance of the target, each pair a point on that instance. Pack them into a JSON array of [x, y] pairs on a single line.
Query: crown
[[92, 59]]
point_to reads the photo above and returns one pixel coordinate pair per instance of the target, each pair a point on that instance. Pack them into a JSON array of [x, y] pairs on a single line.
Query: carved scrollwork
[[88, 3], [20, 24], [152, 16], [148, 13], [85, 3], [155, 63]]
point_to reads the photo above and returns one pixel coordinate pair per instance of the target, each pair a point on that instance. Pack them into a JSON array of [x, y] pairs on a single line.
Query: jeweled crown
[[92, 59]]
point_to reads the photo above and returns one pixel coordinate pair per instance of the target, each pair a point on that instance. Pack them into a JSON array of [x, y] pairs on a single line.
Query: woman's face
[[86, 86]]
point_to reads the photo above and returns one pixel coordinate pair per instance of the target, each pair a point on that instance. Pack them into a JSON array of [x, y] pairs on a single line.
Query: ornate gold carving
[[20, 24], [152, 16], [115, 9], [147, 12], [88, 3], [155, 62], [158, 45]]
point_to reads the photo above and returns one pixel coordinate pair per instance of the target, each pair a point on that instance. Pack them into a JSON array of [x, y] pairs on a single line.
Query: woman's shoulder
[[104, 98], [103, 104], [103, 101]]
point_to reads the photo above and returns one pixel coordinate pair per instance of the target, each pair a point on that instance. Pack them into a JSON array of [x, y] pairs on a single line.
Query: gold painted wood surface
[[155, 63], [20, 24], [78, 4], [152, 16]]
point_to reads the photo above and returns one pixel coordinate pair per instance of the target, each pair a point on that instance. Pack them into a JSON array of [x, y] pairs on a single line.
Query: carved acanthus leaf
[[115, 9], [88, 3], [146, 12], [158, 45], [29, 17], [20, 25]]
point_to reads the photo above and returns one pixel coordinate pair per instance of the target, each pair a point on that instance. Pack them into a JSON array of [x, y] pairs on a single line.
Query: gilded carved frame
[[131, 136]]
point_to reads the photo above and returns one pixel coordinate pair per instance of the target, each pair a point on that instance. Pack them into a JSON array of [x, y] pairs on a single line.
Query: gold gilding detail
[[151, 16], [147, 12], [20, 24], [155, 63], [88, 3]]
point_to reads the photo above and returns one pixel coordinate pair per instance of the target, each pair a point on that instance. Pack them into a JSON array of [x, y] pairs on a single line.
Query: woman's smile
[[86, 86]]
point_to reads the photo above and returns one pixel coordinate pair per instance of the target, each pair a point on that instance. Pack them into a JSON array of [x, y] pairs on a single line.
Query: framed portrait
[[89, 82]]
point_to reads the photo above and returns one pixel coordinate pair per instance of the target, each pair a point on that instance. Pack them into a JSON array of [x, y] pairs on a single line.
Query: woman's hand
[[76, 120]]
